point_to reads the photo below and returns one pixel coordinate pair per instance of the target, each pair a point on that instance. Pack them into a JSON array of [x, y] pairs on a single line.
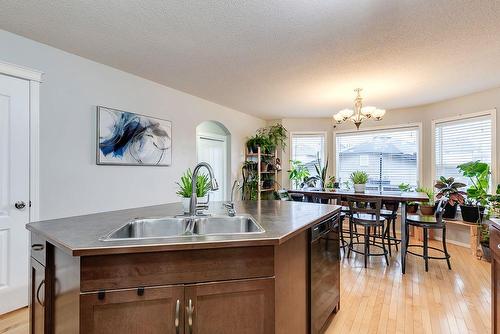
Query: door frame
[[35, 79], [227, 174]]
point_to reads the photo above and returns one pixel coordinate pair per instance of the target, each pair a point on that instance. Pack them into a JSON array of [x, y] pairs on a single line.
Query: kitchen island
[[217, 283]]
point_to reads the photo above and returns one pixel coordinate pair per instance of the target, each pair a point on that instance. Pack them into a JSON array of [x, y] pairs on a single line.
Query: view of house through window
[[390, 157], [308, 148], [461, 141]]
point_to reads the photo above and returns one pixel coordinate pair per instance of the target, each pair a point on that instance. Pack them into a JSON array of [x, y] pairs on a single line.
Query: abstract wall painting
[[125, 138]]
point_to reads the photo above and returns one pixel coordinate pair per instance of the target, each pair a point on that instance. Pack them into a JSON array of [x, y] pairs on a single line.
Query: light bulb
[[368, 111], [378, 114]]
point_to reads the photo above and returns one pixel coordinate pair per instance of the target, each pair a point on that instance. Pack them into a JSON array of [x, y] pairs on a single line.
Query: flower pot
[[412, 208], [486, 251], [185, 204], [297, 197], [263, 166], [427, 210], [450, 211], [359, 188], [472, 213]]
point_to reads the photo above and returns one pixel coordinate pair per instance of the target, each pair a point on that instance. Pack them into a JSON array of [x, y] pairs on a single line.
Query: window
[[307, 148], [390, 157], [460, 141]]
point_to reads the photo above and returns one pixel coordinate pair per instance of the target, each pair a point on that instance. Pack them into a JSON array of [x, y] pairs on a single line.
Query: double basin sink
[[180, 226]]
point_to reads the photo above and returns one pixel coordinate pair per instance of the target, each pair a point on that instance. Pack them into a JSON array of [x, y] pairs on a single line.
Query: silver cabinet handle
[[20, 205], [177, 312], [498, 246], [190, 310], [38, 294]]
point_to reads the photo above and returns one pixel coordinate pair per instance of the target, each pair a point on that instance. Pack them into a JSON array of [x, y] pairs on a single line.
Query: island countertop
[[79, 235]]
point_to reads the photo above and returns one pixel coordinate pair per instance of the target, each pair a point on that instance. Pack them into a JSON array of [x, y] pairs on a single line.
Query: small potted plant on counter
[[477, 194], [449, 188], [359, 179], [332, 184], [321, 172], [185, 188], [411, 207], [427, 208]]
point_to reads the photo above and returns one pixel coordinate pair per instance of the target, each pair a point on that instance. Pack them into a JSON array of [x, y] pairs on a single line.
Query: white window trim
[[493, 114], [382, 128], [35, 78], [312, 133]]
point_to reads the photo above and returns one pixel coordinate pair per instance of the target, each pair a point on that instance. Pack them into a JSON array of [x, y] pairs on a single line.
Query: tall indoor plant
[[449, 188], [427, 208], [297, 173], [477, 194]]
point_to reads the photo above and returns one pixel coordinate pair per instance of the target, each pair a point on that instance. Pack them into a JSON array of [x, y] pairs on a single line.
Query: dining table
[[393, 196]]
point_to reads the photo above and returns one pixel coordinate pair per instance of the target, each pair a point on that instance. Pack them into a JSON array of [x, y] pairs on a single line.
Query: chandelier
[[360, 113]]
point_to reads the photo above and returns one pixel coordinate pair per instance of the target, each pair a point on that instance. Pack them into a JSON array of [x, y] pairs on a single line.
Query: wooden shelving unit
[[257, 157]]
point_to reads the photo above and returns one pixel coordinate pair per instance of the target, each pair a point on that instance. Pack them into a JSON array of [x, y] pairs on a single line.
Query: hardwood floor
[[381, 300], [15, 322]]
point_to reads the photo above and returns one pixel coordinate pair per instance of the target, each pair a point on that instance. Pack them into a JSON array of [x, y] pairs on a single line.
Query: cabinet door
[[495, 279], [133, 311], [243, 307], [37, 298]]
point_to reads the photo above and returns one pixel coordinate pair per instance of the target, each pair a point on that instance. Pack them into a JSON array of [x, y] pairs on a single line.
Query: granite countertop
[[79, 236], [495, 221]]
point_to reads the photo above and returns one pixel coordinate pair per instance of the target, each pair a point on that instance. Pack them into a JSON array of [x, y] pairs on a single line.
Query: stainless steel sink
[[174, 227]]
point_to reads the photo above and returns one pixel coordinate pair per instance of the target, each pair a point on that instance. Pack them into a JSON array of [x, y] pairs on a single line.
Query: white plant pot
[[359, 188]]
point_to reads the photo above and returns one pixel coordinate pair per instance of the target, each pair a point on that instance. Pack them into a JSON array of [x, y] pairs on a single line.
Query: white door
[[212, 149], [14, 188]]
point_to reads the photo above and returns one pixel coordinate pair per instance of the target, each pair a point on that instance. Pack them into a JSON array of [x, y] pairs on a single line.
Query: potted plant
[[185, 188], [494, 204], [359, 179], [484, 241], [321, 172], [411, 207], [252, 144], [477, 194], [332, 183], [297, 173], [427, 208], [276, 135], [449, 188]]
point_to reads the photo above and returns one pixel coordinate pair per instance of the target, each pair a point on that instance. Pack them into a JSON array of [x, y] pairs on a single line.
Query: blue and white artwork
[[125, 138]]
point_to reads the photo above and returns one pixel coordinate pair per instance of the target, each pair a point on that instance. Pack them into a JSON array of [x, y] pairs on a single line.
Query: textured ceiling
[[299, 58]]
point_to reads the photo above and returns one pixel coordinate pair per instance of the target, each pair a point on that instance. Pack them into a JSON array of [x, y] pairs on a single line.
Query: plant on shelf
[[450, 189], [332, 183], [249, 187], [427, 208], [494, 204], [185, 188], [477, 194], [276, 135], [298, 172], [359, 179], [411, 207]]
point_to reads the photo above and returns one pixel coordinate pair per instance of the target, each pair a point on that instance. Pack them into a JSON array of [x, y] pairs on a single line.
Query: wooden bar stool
[[429, 222]]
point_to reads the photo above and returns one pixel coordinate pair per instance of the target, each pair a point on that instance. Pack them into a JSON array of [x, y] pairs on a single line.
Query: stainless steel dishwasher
[[324, 273]]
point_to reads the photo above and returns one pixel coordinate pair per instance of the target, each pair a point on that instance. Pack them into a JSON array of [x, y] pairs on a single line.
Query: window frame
[[324, 134], [417, 125], [460, 117]]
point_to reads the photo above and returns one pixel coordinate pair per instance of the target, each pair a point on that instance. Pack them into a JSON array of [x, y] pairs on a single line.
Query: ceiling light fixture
[[360, 113]]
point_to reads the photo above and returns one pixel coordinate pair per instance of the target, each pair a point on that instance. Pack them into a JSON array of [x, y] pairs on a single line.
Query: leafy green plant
[[298, 172], [429, 192], [494, 203], [404, 187], [449, 188], [275, 135], [331, 182], [203, 185], [359, 177], [479, 174]]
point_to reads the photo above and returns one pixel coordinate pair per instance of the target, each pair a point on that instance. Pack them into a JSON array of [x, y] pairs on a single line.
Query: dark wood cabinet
[[495, 278], [136, 311], [37, 298], [244, 307]]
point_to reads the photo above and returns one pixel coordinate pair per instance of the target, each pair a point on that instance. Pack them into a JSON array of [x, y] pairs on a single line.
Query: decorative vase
[[359, 188]]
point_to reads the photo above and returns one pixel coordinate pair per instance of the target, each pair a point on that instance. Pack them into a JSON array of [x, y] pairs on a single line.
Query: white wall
[[70, 181]]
